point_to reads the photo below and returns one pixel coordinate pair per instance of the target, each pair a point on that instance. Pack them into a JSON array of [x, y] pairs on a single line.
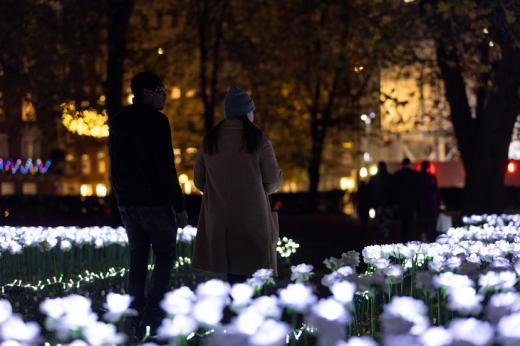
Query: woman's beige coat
[[236, 232]]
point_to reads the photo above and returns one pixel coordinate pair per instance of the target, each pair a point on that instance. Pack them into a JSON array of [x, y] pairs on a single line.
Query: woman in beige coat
[[236, 170]]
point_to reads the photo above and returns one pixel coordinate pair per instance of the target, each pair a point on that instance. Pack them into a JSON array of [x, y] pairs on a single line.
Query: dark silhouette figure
[[150, 200], [429, 201], [407, 198], [381, 196], [362, 202]]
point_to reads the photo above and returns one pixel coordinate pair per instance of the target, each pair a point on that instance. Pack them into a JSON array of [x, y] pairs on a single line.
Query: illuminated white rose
[[117, 306], [267, 306], [297, 296], [179, 301], [213, 289], [6, 310], [241, 294], [358, 341], [180, 325], [343, 291], [208, 311], [301, 272], [436, 336], [502, 304], [270, 333], [465, 300], [99, 333], [404, 315], [248, 321], [471, 332], [14, 328]]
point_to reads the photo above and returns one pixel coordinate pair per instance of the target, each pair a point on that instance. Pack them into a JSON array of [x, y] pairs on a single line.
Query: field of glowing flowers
[[460, 290]]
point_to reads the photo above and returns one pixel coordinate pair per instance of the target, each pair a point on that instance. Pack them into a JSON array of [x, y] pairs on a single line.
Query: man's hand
[[182, 219]]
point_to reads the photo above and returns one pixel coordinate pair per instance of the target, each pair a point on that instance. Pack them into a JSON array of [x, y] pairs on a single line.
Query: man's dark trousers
[[153, 226]]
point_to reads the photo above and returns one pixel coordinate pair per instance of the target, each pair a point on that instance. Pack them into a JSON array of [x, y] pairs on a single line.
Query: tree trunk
[[318, 132], [118, 17], [483, 140]]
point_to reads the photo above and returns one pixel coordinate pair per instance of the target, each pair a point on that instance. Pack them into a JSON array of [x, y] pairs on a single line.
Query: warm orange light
[[512, 167]]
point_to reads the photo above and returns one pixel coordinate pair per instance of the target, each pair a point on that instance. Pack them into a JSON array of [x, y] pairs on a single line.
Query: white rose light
[[270, 333], [178, 302], [436, 336], [180, 325], [508, 329], [248, 321], [5, 310], [99, 333], [471, 332], [465, 300], [505, 280], [301, 272], [14, 328], [502, 304], [260, 278], [267, 306], [358, 341], [297, 296], [117, 306], [343, 292], [241, 294], [208, 311], [214, 288], [329, 317], [404, 315]]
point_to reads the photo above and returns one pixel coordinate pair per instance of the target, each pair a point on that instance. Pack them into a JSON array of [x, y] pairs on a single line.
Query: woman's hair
[[251, 137]]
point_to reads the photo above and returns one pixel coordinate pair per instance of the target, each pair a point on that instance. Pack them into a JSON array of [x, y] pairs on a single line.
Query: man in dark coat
[[381, 193], [407, 197], [429, 201], [149, 197]]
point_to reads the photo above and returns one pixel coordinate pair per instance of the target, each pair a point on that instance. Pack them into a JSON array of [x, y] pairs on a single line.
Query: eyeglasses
[[158, 89]]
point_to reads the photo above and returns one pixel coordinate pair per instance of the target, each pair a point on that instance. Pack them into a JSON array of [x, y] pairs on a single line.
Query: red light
[[431, 168], [512, 167]]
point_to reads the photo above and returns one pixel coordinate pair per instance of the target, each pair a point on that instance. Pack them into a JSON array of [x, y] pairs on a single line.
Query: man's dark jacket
[[142, 160]]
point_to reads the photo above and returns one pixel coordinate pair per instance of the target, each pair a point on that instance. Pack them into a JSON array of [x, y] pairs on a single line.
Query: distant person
[[236, 169], [149, 198], [407, 197], [382, 199], [429, 202], [362, 202]]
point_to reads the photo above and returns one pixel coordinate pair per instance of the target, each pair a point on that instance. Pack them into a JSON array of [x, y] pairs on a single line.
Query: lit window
[[28, 111], [86, 190], [191, 93], [176, 93], [101, 190], [178, 158], [347, 183], [102, 164], [85, 164], [71, 189], [7, 188], [30, 146], [70, 165], [29, 188], [191, 150]]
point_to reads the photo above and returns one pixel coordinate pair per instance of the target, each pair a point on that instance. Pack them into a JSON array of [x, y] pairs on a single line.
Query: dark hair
[[381, 167], [425, 165], [144, 80], [406, 161], [251, 137]]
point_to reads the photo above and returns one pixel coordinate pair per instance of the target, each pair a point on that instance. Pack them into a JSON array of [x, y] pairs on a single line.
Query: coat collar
[[232, 123]]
